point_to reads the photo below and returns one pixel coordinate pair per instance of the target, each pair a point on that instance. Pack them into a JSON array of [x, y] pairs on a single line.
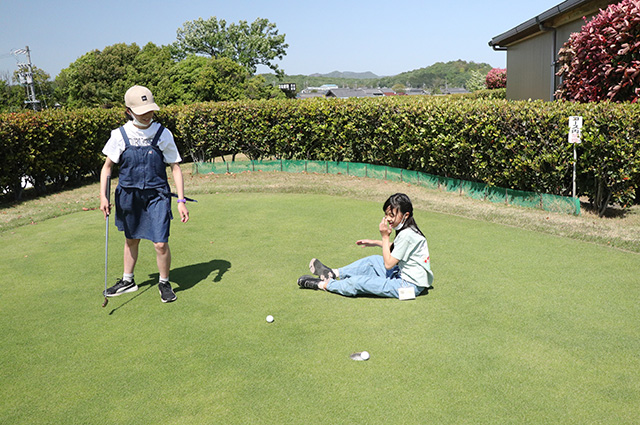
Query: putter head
[[106, 301]]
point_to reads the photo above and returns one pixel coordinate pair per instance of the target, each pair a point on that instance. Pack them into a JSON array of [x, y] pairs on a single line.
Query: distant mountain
[[434, 78], [349, 75]]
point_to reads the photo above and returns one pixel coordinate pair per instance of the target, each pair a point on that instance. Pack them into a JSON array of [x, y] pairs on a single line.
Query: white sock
[[164, 279], [128, 277]]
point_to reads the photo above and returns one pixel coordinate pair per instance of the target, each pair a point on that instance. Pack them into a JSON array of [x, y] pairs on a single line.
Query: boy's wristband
[[184, 201]]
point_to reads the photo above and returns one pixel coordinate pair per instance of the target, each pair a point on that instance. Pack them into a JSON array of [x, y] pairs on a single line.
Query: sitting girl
[[403, 265]]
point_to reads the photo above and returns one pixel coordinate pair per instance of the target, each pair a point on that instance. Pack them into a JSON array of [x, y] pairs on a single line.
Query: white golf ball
[[270, 318], [365, 355]]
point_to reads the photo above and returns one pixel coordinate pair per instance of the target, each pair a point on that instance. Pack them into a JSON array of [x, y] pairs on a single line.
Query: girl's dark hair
[[402, 203]]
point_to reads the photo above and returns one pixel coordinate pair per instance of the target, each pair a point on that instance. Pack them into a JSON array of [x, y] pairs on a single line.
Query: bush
[[602, 61], [516, 145], [496, 78]]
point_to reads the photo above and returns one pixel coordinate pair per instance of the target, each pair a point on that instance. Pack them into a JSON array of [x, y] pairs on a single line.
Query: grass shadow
[[189, 276], [184, 277], [150, 283]]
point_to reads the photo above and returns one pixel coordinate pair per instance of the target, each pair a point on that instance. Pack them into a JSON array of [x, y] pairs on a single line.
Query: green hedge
[[52, 147], [516, 145]]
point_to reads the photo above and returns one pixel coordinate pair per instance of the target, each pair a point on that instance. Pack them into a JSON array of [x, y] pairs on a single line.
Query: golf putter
[[106, 244]]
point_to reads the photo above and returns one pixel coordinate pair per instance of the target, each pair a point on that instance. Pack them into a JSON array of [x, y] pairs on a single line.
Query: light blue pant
[[368, 276]]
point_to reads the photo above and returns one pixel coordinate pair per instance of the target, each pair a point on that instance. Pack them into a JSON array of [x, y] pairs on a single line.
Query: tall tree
[[249, 45]]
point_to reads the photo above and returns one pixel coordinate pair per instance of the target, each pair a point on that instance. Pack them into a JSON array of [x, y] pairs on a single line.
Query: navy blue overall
[[143, 198]]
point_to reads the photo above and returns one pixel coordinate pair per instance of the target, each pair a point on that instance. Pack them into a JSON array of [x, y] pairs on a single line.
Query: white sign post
[[575, 137]]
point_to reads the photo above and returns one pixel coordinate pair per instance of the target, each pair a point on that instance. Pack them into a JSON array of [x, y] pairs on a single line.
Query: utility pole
[[26, 78]]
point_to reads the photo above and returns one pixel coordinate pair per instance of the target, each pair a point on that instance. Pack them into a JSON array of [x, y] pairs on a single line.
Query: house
[[346, 93], [532, 47]]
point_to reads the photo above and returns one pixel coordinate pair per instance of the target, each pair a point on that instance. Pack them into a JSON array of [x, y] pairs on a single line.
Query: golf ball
[[270, 318], [365, 355]]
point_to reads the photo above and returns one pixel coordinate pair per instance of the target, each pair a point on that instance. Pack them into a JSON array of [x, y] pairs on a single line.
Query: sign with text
[[575, 129]]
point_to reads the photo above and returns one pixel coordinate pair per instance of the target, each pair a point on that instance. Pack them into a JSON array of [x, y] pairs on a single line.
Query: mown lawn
[[521, 328]]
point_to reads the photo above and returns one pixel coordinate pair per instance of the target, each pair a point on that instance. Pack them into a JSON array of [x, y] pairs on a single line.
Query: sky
[[383, 37]]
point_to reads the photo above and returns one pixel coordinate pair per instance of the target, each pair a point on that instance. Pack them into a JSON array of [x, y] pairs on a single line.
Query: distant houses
[[333, 91]]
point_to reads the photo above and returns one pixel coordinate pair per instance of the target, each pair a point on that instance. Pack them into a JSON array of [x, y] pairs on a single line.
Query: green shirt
[[412, 252]]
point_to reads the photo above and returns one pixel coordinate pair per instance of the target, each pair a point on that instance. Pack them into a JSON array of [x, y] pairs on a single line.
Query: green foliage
[[433, 78], [248, 45], [52, 147], [516, 145], [438, 75], [476, 81], [602, 60], [100, 78]]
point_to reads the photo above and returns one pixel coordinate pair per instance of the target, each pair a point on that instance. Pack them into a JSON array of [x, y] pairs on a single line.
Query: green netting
[[412, 177], [337, 167], [562, 204], [450, 185], [523, 199], [429, 181], [356, 169], [473, 190], [317, 167], [496, 194], [273, 165]]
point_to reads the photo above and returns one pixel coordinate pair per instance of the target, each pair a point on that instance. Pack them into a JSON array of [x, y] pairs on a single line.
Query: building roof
[[575, 9], [345, 93]]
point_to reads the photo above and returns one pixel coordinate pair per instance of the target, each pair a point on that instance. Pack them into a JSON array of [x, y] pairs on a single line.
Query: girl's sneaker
[[309, 282], [166, 293], [319, 269], [121, 287]]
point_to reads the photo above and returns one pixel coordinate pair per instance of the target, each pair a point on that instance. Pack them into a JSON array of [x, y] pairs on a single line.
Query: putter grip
[[108, 189]]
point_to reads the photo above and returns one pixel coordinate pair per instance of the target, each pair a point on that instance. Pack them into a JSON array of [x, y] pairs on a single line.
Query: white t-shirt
[[141, 137], [412, 252]]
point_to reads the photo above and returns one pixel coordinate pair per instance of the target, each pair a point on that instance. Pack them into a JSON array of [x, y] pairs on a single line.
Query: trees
[[477, 81], [100, 78], [249, 45], [602, 61]]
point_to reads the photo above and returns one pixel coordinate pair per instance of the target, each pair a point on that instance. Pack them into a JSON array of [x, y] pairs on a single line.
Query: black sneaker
[[309, 282], [319, 269], [121, 287], [166, 293]]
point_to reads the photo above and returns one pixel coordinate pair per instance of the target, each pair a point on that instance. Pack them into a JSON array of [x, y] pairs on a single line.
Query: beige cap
[[140, 100]]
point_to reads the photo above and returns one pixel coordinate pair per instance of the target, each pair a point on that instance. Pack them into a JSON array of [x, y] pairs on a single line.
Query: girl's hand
[[385, 229], [184, 212], [367, 242], [105, 206]]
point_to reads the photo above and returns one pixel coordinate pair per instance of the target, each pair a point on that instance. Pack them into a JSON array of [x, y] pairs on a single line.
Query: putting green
[[520, 328]]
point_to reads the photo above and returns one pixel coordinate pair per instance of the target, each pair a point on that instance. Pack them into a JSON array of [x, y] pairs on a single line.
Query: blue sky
[[384, 37]]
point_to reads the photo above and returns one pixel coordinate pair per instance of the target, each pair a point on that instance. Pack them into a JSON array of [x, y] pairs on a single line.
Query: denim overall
[[143, 199]]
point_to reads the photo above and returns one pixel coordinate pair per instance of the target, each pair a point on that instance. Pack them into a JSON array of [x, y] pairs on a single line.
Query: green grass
[[521, 328]]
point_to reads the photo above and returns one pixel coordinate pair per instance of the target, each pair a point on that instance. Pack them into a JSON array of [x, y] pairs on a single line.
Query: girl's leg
[[380, 286], [130, 254], [368, 266], [163, 258]]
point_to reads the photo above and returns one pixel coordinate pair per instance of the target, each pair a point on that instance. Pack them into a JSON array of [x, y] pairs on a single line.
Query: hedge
[[516, 145]]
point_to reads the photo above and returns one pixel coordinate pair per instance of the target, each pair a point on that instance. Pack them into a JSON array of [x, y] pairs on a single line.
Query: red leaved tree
[[496, 78], [602, 61]]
